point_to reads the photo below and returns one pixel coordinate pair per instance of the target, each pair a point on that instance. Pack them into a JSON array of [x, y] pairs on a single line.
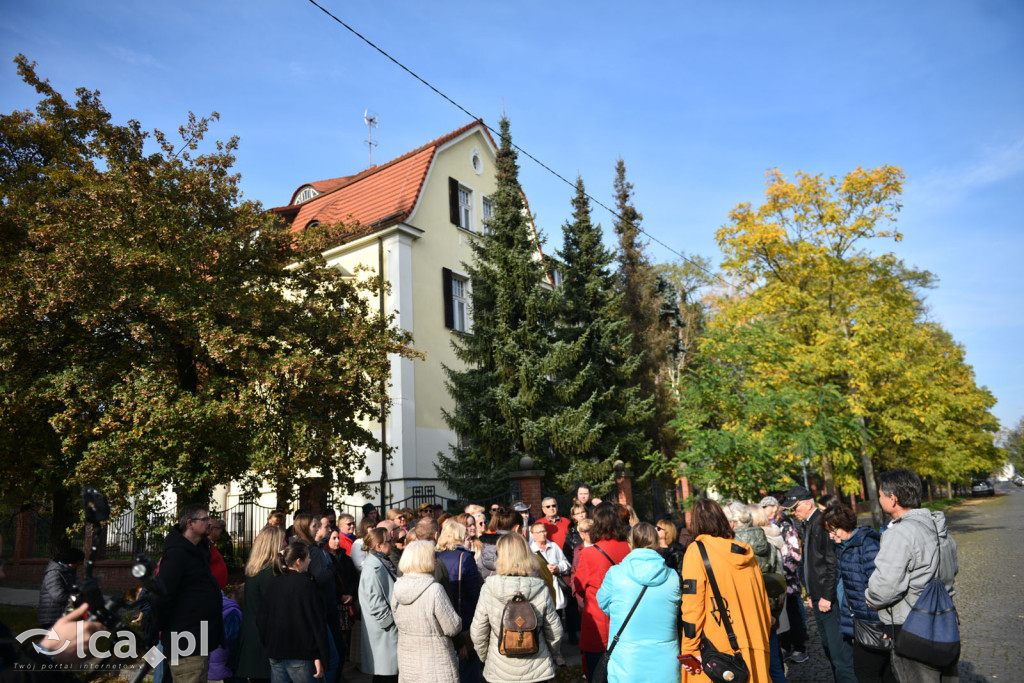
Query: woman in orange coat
[[741, 586]]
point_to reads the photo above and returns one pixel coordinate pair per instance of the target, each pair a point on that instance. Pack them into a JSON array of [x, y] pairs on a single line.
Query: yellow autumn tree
[[850, 321]]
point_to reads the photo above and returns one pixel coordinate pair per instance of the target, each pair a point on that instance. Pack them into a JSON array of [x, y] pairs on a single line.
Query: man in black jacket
[[189, 614], [821, 578]]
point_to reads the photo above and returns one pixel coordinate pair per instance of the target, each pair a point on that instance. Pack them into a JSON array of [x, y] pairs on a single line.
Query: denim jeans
[[776, 670], [292, 671]]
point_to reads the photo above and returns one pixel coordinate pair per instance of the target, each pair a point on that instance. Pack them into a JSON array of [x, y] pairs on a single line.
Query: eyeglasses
[[551, 506], [201, 519]]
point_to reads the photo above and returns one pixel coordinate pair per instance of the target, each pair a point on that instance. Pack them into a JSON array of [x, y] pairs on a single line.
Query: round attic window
[[476, 161]]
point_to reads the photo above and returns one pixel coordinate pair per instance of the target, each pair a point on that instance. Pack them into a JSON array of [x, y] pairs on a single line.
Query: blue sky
[[700, 99]]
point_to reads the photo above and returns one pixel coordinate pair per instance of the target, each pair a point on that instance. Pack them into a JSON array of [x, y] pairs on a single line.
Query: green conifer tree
[[505, 407], [598, 383], [643, 307]]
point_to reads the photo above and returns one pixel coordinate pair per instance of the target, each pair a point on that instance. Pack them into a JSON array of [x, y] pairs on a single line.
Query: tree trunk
[[928, 483], [949, 489], [826, 473], [65, 504], [283, 494], [869, 476]]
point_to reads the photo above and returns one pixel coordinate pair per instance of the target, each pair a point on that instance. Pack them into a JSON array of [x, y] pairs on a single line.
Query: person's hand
[[553, 568], [346, 599], [596, 501], [824, 605], [319, 668], [688, 661], [463, 652], [66, 630]]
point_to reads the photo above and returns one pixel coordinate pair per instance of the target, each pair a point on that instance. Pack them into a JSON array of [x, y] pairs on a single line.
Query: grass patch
[[940, 504], [18, 619]]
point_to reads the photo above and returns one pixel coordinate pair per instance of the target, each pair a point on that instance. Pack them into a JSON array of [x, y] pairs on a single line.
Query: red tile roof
[[379, 196]]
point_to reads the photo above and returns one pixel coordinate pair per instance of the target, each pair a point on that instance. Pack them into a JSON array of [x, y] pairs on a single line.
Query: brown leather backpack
[[519, 635]]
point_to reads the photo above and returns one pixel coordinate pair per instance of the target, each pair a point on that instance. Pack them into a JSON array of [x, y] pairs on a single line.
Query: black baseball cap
[[795, 495]]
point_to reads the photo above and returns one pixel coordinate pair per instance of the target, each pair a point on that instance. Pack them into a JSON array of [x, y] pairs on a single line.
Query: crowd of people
[[432, 596]]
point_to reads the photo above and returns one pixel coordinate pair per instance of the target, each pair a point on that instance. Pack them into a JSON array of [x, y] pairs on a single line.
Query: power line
[[519, 149]]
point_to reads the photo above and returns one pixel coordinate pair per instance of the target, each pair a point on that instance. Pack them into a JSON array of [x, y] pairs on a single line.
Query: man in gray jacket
[[915, 547]]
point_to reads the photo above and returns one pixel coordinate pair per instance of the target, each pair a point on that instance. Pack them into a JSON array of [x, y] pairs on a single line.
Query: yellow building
[[415, 214]]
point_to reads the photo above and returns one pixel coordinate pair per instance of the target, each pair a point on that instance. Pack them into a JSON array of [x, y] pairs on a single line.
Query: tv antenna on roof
[[370, 118]]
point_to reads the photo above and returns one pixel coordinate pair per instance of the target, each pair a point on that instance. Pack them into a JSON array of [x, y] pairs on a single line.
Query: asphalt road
[[989, 533]]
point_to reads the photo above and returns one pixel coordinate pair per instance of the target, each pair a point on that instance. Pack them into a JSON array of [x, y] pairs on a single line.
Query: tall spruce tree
[[599, 381], [504, 397], [644, 309]]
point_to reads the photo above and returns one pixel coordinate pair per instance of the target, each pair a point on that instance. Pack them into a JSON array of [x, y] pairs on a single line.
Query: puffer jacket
[[646, 650], [498, 589], [913, 547], [54, 592], [489, 552], [856, 557], [768, 558], [426, 623]]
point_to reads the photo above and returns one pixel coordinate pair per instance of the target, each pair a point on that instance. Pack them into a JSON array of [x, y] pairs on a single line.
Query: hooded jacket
[[54, 593], [768, 558], [646, 650], [190, 593], [742, 588], [856, 556], [498, 589], [913, 548], [426, 623]]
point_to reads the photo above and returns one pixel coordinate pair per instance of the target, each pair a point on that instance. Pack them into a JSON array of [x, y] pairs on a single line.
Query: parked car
[[1018, 480], [982, 487]]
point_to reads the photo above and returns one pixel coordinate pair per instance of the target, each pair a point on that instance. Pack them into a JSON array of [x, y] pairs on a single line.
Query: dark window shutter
[[453, 200], [449, 309]]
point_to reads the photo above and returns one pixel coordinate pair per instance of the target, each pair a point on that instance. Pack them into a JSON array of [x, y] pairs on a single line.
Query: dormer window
[[305, 194]]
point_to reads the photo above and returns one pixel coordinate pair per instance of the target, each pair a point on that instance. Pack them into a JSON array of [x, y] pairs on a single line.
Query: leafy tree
[[1013, 443], [155, 329], [853, 320], [506, 406], [598, 380], [741, 431]]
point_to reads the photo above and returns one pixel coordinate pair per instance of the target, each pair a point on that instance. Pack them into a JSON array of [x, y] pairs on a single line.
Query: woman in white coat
[[425, 619], [379, 656]]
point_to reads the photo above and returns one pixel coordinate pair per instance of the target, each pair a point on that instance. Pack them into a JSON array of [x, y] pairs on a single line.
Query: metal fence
[[244, 521]]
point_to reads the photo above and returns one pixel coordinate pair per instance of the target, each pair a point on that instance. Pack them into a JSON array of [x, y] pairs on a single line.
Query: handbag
[[931, 632], [721, 667], [872, 634], [600, 674]]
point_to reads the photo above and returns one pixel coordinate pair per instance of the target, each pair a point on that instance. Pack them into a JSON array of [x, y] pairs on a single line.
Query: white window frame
[[465, 208], [460, 303], [486, 213]]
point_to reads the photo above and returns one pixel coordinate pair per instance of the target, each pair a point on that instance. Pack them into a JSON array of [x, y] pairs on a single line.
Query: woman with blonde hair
[[465, 582], [472, 532], [516, 571], [379, 656], [646, 647], [425, 619], [253, 661], [291, 620]]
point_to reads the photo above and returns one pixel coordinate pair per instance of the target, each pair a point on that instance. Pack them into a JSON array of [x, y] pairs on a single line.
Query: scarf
[[388, 564]]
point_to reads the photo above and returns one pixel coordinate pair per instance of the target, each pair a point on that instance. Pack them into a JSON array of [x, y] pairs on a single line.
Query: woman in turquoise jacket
[[648, 646]]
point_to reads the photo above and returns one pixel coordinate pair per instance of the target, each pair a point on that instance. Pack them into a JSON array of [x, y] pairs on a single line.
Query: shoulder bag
[[600, 674], [720, 666]]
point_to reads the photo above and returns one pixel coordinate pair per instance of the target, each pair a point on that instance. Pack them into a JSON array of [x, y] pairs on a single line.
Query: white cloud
[[132, 57], [947, 187]]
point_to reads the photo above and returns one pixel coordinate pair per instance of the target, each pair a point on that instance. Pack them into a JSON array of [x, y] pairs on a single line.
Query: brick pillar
[[623, 484], [683, 492], [23, 535], [529, 485]]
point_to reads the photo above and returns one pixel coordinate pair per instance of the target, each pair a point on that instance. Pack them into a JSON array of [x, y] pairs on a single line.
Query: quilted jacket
[[856, 557], [426, 624], [498, 590], [54, 593]]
